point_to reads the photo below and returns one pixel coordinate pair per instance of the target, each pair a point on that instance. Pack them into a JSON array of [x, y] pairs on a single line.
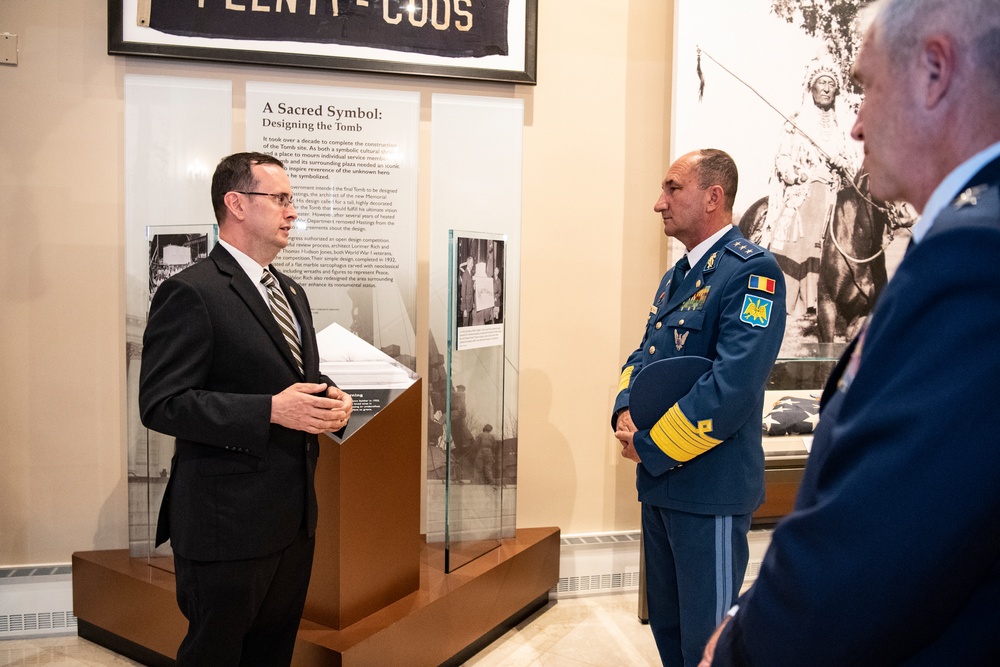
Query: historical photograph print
[[478, 293], [769, 82], [173, 249]]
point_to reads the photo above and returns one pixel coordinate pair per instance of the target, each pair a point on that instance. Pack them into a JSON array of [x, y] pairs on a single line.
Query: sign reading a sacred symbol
[[756, 311]]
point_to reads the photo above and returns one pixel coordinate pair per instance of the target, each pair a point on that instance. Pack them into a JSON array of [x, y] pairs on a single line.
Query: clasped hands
[[624, 429], [301, 407]]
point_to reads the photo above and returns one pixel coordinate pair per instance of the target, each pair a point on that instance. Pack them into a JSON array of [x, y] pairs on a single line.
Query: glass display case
[[478, 435]]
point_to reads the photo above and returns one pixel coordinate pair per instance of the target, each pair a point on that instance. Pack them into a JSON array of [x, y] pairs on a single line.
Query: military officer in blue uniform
[[700, 471], [892, 554]]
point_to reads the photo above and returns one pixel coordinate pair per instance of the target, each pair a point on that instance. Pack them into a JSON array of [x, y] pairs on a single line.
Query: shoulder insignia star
[[744, 249], [969, 197]]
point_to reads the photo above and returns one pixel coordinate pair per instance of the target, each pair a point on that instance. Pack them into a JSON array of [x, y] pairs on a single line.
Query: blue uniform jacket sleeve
[[634, 363]]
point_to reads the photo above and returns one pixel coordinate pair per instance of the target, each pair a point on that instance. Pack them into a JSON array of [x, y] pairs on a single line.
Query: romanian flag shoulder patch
[[762, 284]]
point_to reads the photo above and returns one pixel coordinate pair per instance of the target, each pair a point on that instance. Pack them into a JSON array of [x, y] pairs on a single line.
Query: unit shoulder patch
[[744, 249], [756, 310]]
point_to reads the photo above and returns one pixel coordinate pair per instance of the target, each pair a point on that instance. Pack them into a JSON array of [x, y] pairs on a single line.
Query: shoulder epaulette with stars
[[744, 249]]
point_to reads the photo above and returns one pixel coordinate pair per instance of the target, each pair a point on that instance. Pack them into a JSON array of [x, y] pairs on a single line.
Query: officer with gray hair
[[892, 554]]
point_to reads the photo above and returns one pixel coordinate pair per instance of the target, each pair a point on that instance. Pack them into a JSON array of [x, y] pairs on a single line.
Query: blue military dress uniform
[[703, 458], [892, 555]]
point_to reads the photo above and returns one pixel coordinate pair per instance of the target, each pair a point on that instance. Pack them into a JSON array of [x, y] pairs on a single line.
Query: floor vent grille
[[56, 620], [36, 601], [604, 538], [597, 563], [598, 582], [12, 573]]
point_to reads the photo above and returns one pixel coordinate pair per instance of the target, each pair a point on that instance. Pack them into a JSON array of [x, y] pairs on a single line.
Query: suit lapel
[[833, 381], [985, 180], [240, 283], [694, 280]]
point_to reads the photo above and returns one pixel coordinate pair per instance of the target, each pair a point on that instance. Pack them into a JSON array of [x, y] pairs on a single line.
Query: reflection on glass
[[176, 130], [478, 440]]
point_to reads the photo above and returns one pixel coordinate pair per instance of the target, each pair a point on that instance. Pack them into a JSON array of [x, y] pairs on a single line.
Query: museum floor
[[597, 630]]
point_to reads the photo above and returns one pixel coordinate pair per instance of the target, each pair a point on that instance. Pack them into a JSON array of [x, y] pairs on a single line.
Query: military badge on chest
[[680, 339], [854, 362], [697, 300]]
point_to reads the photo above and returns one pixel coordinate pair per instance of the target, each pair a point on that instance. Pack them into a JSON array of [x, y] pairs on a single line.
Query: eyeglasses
[[283, 200]]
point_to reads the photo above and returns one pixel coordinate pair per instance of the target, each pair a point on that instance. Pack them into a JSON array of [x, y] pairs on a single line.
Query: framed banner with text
[[492, 40]]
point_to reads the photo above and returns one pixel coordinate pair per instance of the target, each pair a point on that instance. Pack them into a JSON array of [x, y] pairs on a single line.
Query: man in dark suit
[[892, 555], [230, 368], [467, 291], [700, 470]]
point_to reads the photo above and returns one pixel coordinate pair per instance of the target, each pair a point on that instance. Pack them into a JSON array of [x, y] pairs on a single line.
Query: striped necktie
[[283, 316]]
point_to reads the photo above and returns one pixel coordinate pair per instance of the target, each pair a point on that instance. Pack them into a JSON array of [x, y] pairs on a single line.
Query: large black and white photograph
[[478, 293], [769, 82], [173, 249]]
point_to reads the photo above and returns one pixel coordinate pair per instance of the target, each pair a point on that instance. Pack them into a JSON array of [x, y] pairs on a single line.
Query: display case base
[[130, 607]]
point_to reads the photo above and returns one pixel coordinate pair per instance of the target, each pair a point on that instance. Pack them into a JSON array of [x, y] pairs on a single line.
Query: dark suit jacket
[[708, 316], [892, 555], [213, 355]]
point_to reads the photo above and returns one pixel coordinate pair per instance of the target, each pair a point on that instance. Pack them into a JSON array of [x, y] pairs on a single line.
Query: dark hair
[[235, 173], [718, 168]]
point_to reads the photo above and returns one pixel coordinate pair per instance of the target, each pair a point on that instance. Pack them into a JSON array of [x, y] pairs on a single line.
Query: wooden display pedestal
[[129, 606], [368, 531], [378, 594]]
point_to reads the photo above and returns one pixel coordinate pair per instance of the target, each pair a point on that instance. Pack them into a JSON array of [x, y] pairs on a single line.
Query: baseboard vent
[[597, 563], [44, 621], [609, 562], [598, 583], [36, 600], [604, 538]]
